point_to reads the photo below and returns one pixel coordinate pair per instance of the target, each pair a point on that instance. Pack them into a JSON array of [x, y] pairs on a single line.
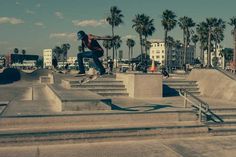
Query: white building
[[157, 53], [47, 58], [219, 57]]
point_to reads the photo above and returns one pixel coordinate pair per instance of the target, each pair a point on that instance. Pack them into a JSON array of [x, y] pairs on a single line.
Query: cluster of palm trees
[[60, 53], [16, 51], [210, 33]]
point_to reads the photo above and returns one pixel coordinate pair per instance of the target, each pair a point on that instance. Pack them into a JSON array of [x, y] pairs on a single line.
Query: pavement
[[185, 147]]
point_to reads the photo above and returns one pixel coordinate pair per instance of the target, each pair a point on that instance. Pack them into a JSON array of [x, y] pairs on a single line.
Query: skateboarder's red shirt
[[90, 41]]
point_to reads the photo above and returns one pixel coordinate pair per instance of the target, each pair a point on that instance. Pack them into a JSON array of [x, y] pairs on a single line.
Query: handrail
[[203, 107]]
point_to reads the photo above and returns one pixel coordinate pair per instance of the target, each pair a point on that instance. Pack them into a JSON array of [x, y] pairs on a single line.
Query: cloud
[[10, 20], [91, 23], [3, 42], [17, 3], [59, 15], [29, 12], [38, 5], [65, 36], [39, 24], [129, 37]]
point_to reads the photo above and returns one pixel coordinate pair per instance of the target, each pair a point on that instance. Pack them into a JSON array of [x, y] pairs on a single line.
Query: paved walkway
[[188, 147]]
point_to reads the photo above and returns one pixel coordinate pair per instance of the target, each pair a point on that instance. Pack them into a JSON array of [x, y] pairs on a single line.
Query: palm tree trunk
[[107, 57], [201, 54], [113, 49], [209, 50], [166, 50], [141, 46], [116, 58], [185, 48], [129, 56], [234, 60], [145, 47]]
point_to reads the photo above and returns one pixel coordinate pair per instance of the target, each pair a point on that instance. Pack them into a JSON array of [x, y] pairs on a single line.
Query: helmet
[[81, 35]]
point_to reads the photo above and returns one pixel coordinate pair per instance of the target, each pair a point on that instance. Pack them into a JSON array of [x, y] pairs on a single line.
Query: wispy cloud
[[129, 36], [3, 42], [29, 12], [91, 23], [59, 15], [10, 20], [62, 35], [40, 24], [17, 3], [38, 5]]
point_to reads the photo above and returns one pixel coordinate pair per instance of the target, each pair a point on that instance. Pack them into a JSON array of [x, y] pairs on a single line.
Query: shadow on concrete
[[9, 75], [169, 92], [152, 107], [115, 107]]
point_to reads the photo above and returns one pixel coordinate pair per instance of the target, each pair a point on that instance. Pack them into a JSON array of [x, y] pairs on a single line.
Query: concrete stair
[[172, 85], [228, 124], [104, 86], [99, 126]]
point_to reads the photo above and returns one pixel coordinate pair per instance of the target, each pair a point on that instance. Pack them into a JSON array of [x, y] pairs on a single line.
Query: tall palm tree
[[114, 19], [117, 43], [16, 50], [211, 24], [168, 22], [218, 36], [107, 44], [139, 28], [149, 29], [65, 47], [128, 43], [233, 23], [202, 31], [170, 42], [57, 52], [195, 39], [185, 23], [132, 44]]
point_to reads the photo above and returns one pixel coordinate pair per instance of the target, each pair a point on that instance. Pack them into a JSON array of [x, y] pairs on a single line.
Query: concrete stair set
[[228, 124], [177, 82], [105, 86], [99, 126]]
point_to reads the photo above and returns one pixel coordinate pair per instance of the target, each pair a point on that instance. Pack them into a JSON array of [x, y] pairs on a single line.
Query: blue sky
[[34, 25]]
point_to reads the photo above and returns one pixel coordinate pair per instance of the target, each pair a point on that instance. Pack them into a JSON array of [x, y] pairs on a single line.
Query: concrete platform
[[78, 100]]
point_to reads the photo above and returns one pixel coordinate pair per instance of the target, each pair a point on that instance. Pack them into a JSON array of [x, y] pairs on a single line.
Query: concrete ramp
[[10, 75], [214, 84]]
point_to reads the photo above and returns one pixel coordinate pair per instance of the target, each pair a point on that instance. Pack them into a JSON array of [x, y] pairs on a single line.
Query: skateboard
[[89, 78]]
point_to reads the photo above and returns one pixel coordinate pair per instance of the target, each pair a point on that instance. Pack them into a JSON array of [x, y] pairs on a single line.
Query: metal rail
[[201, 106]]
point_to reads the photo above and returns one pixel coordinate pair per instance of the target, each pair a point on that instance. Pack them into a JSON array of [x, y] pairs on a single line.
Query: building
[[176, 59], [23, 61], [220, 59], [47, 58]]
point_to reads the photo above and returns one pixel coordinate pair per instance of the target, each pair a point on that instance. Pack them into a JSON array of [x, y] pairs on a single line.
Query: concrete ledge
[[78, 100], [142, 85]]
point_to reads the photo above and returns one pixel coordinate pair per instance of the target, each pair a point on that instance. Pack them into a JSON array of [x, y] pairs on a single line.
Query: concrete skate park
[[45, 113]]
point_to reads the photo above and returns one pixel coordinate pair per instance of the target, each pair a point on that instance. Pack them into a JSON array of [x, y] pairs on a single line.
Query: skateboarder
[[95, 51]]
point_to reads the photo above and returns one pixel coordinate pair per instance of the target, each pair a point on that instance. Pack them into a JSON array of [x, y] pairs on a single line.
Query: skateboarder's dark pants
[[90, 54]]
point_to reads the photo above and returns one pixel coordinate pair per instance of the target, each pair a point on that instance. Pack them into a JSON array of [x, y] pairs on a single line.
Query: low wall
[[214, 84], [142, 85]]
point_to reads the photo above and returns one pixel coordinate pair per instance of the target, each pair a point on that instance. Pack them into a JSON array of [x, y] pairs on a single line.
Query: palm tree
[[57, 52], [16, 50], [233, 23], [202, 31], [107, 44], [195, 39], [178, 46], [170, 42], [168, 22], [65, 48], [139, 28], [128, 43], [227, 54], [149, 29], [117, 43], [114, 19], [23, 52], [185, 23], [211, 23], [218, 36]]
